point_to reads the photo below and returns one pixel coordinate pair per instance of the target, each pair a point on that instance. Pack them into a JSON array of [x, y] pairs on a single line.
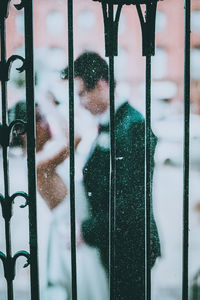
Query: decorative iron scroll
[[5, 67], [4, 6], [147, 24], [7, 200], [20, 5]]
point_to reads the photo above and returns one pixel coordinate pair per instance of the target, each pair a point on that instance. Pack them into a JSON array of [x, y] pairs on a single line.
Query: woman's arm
[[50, 185]]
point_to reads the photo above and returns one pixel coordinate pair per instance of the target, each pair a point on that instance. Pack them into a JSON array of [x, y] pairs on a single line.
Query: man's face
[[95, 100]]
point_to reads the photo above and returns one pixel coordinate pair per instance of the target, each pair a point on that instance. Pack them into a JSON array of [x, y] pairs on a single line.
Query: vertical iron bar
[[112, 182], [148, 179], [4, 105], [30, 108], [71, 135], [186, 150], [9, 279]]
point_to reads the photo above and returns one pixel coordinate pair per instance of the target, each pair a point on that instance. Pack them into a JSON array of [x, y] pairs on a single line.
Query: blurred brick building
[[50, 40]]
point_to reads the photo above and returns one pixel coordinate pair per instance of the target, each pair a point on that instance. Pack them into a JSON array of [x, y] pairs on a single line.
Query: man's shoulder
[[135, 114], [128, 116]]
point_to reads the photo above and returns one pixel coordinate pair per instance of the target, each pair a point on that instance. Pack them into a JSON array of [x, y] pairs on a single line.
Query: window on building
[[86, 20], [50, 58], [55, 22], [159, 64], [161, 21], [122, 24], [20, 23], [195, 21], [195, 63], [121, 62]]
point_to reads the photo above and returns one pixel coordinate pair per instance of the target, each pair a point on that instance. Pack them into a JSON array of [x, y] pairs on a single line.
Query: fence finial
[[147, 24]]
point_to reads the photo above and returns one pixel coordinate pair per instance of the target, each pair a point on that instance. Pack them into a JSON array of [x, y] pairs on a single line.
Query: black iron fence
[[111, 21], [8, 259]]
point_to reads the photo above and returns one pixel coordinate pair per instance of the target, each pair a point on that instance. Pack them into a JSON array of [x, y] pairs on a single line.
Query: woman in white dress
[[91, 279]]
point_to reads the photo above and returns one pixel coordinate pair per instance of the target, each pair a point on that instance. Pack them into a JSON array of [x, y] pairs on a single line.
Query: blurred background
[[51, 56]]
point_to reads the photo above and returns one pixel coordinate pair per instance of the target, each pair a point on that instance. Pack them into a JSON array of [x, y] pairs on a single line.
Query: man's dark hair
[[90, 67]]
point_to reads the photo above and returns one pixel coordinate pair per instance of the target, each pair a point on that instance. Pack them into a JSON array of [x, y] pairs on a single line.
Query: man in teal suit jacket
[[91, 79]]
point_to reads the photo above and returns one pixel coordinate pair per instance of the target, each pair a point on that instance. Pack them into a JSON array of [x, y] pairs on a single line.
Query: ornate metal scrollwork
[[19, 127], [6, 66], [22, 253], [13, 125], [5, 131], [20, 194], [17, 122], [20, 5], [9, 263], [15, 57], [148, 27], [111, 44], [4, 6], [6, 204], [147, 24]]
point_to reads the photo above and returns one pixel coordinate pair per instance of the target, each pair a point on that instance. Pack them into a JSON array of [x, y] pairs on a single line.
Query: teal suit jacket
[[130, 202]]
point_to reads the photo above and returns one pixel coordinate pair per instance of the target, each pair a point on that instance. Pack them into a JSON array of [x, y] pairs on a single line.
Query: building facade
[[50, 41]]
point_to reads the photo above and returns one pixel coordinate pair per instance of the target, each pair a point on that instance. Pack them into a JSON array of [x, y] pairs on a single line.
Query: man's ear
[[102, 84]]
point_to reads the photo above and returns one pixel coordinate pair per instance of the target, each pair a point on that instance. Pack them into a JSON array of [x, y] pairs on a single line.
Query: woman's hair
[[18, 111]]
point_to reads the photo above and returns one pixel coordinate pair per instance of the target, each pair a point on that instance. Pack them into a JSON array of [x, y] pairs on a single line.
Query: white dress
[[91, 277]]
